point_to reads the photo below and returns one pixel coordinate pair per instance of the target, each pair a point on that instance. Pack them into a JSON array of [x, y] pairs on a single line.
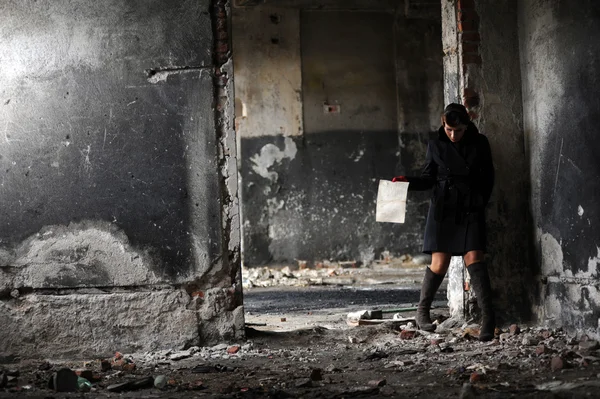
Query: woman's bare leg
[[440, 262]]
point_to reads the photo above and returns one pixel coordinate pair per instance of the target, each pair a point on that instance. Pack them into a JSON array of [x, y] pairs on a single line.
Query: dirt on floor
[[388, 359], [317, 351]]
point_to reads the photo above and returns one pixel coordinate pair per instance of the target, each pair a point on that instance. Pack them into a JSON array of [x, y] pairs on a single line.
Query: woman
[[459, 169]]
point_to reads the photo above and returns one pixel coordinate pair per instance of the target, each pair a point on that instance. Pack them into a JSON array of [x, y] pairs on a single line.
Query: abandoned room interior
[[189, 191]]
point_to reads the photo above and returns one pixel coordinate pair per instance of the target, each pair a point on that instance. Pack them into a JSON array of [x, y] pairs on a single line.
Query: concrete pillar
[[560, 54], [490, 87]]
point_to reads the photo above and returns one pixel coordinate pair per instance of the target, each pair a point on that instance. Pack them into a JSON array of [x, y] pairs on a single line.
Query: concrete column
[[490, 87], [560, 54]]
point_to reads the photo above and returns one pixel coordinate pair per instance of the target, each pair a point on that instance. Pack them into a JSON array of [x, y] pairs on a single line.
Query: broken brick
[[546, 334], [540, 350], [129, 367], [232, 350], [408, 334], [557, 363], [514, 329], [475, 377]]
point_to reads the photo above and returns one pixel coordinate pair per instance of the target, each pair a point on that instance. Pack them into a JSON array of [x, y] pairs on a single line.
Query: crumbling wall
[[560, 51], [119, 179], [481, 38], [310, 178]]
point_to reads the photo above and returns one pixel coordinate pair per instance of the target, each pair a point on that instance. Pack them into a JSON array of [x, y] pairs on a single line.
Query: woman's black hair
[[456, 114]]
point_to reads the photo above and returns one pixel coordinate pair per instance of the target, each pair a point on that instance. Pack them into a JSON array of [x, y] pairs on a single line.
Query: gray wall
[[560, 53], [110, 179], [312, 197]]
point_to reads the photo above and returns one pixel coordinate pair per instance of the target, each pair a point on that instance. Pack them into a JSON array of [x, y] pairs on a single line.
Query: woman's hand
[[399, 178]]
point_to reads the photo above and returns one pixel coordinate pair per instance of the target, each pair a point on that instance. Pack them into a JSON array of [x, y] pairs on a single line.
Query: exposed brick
[[470, 37], [468, 25], [472, 59], [462, 4], [470, 98], [466, 15], [470, 48]]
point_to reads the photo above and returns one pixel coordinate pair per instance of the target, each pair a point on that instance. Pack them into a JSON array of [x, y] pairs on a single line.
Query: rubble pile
[[392, 360], [303, 274]]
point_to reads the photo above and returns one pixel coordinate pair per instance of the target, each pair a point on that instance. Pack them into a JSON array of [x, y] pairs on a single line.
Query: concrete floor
[[299, 344]]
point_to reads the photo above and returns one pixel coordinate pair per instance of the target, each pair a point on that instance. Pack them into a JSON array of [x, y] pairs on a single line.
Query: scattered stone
[[304, 383], [529, 340], [514, 329], [436, 341], [475, 377], [181, 355], [196, 385], [316, 375], [471, 333], [408, 334], [332, 369], [232, 350], [557, 363], [378, 383], [546, 334], [540, 350], [504, 337], [589, 345], [160, 381], [129, 367], [44, 366]]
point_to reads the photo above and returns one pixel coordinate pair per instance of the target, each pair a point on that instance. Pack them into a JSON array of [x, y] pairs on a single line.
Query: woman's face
[[454, 133]]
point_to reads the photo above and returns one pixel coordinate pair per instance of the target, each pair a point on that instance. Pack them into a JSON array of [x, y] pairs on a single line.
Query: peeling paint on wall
[[552, 254], [271, 155]]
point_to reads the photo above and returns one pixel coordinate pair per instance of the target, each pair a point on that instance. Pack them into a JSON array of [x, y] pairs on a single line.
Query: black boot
[[431, 283], [480, 281]]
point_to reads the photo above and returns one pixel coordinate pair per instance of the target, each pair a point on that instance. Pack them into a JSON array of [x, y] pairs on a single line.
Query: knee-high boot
[[480, 281], [431, 283]]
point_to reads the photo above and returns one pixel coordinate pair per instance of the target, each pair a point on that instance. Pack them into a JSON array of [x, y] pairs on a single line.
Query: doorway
[[330, 98]]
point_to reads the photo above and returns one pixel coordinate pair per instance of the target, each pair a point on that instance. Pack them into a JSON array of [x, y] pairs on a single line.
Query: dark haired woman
[[459, 169]]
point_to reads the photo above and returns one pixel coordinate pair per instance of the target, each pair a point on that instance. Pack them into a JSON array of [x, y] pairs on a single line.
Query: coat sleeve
[[428, 174], [487, 169]]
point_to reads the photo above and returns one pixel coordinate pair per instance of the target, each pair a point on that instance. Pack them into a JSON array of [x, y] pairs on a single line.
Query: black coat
[[461, 177]]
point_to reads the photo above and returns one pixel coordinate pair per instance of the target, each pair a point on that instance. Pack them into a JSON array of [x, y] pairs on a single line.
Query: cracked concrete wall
[[560, 47], [118, 177], [309, 188]]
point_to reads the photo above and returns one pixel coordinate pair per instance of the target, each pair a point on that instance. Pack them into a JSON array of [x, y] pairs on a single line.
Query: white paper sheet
[[391, 201]]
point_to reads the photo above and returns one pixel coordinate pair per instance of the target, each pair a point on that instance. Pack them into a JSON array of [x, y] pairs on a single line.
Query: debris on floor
[[335, 273], [384, 360]]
